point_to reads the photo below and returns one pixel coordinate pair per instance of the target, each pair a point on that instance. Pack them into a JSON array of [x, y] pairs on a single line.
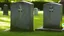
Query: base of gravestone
[[16, 29], [48, 29]]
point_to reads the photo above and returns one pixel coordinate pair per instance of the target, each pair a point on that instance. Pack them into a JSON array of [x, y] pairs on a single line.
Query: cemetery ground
[[5, 24]]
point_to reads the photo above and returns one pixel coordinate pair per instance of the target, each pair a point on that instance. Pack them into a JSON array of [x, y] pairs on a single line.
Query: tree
[[56, 0], [6, 1]]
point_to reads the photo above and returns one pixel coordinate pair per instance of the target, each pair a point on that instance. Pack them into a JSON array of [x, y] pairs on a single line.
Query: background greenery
[[30, 0]]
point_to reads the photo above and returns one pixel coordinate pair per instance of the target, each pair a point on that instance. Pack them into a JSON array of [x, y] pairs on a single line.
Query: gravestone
[[35, 11], [52, 16], [5, 9], [0, 8], [22, 16], [62, 2]]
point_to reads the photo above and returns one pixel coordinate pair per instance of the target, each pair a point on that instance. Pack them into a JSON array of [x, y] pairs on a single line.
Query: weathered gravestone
[[5, 9], [0, 8], [62, 2], [22, 16], [35, 11], [52, 16]]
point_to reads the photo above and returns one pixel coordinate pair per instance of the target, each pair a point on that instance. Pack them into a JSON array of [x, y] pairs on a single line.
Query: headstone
[[62, 2], [22, 16], [52, 16], [0, 8], [35, 11], [5, 9]]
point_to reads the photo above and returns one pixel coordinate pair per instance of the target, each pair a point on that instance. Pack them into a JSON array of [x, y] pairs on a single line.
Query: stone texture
[[5, 9], [35, 11], [22, 16], [52, 15]]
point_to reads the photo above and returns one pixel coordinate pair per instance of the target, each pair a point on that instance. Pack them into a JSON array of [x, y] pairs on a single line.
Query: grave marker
[[0, 9], [52, 17], [22, 16], [5, 9], [35, 11]]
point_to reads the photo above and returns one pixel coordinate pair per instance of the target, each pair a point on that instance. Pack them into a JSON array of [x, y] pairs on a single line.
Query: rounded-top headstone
[[5, 5], [5, 9], [35, 11]]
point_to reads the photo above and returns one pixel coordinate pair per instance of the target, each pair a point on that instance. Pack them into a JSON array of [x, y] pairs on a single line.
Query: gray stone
[[35, 11], [52, 15], [22, 16], [5, 9], [0, 9]]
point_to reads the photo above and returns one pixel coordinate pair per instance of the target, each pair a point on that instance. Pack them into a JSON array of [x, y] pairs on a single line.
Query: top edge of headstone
[[53, 3], [28, 2], [35, 8], [5, 5], [25, 2]]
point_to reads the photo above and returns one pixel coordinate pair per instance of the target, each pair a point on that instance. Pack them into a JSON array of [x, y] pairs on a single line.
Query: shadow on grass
[[38, 20], [4, 21]]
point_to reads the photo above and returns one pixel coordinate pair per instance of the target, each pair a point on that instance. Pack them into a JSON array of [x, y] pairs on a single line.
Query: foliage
[[30, 0]]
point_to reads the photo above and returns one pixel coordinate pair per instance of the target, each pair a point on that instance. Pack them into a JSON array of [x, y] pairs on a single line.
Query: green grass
[[37, 23], [4, 21], [38, 20]]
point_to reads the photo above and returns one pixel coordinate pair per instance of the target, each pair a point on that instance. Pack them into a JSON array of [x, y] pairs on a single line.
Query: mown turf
[[38, 21]]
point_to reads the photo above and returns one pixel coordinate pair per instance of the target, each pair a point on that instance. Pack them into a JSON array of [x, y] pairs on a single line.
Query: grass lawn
[[5, 23]]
